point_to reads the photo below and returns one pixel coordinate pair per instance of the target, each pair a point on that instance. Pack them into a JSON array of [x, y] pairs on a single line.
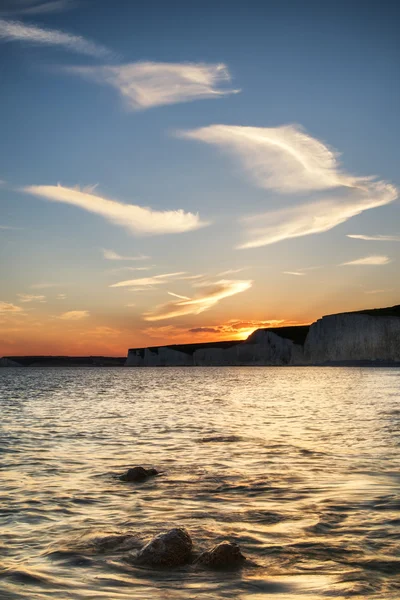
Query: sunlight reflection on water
[[300, 466]]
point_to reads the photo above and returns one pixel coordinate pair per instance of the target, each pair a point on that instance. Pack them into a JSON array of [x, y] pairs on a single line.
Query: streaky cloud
[[144, 85], [137, 219], [375, 238], [119, 269], [178, 296], [35, 7], [31, 298], [74, 315], [149, 281], [208, 296], [298, 273], [7, 307], [284, 159], [289, 161], [111, 255], [44, 286], [368, 260], [314, 217], [17, 31]]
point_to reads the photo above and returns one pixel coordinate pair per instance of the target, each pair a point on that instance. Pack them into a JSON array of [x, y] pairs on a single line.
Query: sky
[[191, 171]]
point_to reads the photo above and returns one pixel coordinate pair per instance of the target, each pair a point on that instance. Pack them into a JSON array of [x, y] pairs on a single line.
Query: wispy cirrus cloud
[[9, 228], [144, 85], [208, 295], [289, 161], [119, 269], [7, 307], [178, 296], [18, 31], [375, 238], [31, 298], [137, 219], [74, 315], [35, 7], [111, 255], [368, 260], [44, 286], [149, 281], [298, 273]]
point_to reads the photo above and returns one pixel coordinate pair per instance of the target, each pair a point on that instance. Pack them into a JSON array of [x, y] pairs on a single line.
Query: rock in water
[[169, 549], [225, 555], [138, 474]]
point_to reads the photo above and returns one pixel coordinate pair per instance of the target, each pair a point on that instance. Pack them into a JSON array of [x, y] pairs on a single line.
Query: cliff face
[[364, 336], [353, 337], [263, 347]]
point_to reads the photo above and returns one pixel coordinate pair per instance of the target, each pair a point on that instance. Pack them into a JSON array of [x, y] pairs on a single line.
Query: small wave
[[220, 439]]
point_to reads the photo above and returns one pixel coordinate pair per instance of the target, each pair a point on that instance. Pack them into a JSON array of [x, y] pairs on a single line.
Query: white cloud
[[376, 291], [17, 31], [368, 260], [284, 159], [74, 315], [293, 273], [119, 269], [9, 228], [230, 272], [190, 277], [314, 217], [61, 296], [178, 296], [111, 255], [31, 298], [147, 84], [287, 160], [131, 305], [136, 219], [149, 281], [375, 238], [6, 307], [209, 296]]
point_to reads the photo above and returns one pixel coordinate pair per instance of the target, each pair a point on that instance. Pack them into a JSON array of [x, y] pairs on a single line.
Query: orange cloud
[[211, 294]]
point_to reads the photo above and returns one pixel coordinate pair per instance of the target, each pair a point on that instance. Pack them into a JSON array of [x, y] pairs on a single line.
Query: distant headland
[[365, 337]]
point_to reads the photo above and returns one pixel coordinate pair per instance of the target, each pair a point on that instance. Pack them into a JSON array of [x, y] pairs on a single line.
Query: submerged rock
[[138, 474], [226, 555], [170, 549]]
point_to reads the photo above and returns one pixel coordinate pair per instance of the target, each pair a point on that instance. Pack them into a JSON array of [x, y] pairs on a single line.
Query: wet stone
[[136, 474], [170, 549], [226, 555]]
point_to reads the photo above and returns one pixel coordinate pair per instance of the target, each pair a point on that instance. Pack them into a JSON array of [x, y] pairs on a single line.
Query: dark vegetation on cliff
[[391, 311], [297, 333]]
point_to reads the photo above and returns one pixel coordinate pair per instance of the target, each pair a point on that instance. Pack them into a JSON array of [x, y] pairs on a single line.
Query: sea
[[299, 466]]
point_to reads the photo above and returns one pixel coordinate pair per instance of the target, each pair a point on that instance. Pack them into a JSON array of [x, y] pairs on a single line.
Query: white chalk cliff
[[362, 337]]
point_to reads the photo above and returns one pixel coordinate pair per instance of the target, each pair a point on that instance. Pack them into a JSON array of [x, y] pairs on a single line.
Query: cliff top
[[391, 311]]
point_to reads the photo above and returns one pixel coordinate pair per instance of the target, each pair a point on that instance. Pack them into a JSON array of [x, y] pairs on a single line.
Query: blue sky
[[260, 122]]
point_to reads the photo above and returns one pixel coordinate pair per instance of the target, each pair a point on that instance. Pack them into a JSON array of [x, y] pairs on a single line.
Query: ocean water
[[299, 466]]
